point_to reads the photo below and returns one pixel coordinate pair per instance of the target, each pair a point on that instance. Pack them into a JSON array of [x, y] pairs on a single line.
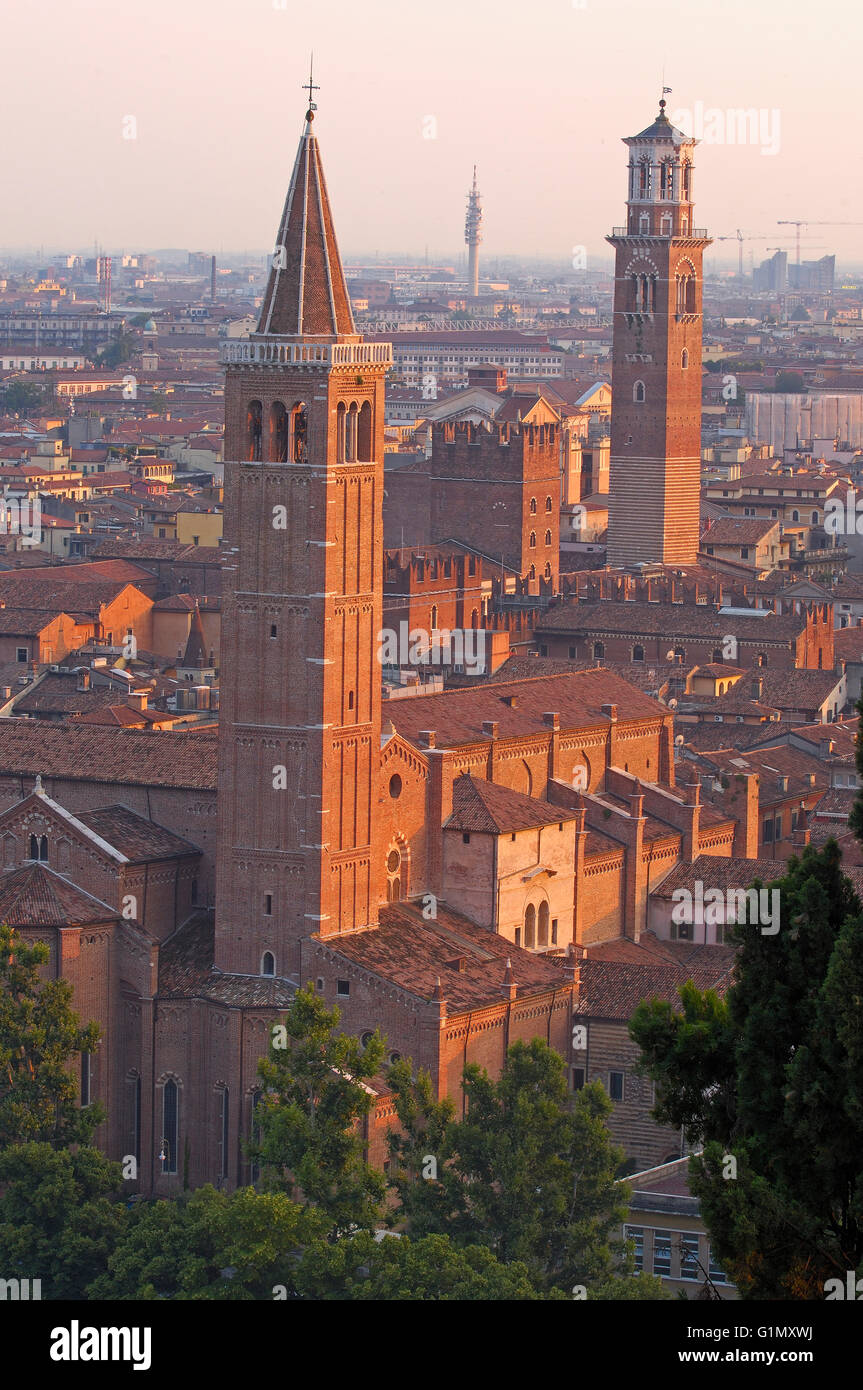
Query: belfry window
[[278, 450], [299, 427], [364, 433], [638, 394], [254, 427]]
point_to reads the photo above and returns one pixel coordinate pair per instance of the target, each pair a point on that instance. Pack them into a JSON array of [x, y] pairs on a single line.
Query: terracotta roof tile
[[131, 757], [485, 808], [35, 896]]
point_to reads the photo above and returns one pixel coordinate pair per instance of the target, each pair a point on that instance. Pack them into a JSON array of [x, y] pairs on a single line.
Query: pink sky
[[537, 94]]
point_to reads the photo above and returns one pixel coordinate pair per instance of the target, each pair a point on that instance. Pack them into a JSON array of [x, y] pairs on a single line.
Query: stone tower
[[655, 469], [300, 721]]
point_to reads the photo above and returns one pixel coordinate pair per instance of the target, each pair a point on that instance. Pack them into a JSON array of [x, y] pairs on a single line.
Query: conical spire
[[306, 294], [196, 650]]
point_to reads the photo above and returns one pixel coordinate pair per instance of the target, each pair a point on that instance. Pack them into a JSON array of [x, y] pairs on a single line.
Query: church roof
[[489, 809], [139, 840], [35, 896], [306, 293]]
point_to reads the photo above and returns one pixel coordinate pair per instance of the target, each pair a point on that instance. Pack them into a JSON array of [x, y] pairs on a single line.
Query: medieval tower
[[301, 693], [656, 413]]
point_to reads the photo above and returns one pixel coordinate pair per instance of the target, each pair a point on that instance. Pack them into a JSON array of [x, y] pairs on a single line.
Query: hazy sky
[[538, 94]]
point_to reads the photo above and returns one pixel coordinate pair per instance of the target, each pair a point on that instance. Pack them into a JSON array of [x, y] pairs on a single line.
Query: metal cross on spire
[[311, 86]]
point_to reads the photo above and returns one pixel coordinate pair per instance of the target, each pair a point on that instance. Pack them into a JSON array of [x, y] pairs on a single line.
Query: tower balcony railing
[[270, 352], [697, 232]]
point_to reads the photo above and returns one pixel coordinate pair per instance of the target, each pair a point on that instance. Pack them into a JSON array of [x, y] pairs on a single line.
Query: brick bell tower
[[655, 474], [300, 721]]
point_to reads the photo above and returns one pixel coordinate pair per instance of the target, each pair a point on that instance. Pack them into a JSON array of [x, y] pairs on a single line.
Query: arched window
[[638, 393], [299, 427], [530, 926], [548, 538], [598, 651], [547, 570], [795, 515], [351, 419], [686, 180], [532, 540], [814, 518], [762, 658], [548, 504], [170, 1127], [474, 618], [542, 925], [666, 179], [531, 574], [638, 653], [364, 433], [684, 358], [43, 848], [34, 847], [644, 177], [254, 426], [268, 963], [278, 450], [434, 621], [533, 506]]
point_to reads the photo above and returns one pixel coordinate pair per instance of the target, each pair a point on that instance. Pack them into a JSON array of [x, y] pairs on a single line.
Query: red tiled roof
[[34, 896], [118, 757], [457, 716], [470, 960], [489, 809], [140, 840]]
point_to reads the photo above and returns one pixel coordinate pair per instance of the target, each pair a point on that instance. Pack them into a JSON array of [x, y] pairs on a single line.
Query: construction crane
[[740, 237], [798, 223]]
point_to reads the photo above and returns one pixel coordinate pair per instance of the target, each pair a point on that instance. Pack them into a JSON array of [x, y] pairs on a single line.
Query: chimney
[[490, 728], [83, 681], [427, 738], [509, 986], [610, 712], [551, 719], [137, 699]]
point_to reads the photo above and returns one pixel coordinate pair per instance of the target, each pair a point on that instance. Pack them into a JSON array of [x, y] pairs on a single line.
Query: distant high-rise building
[[813, 275], [473, 236], [771, 277], [656, 409]]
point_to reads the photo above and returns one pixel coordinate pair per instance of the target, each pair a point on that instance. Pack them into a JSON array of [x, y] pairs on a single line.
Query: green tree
[[431, 1268], [40, 1035], [313, 1095], [770, 1080], [210, 1245], [59, 1220], [529, 1172], [789, 382], [117, 353], [19, 397]]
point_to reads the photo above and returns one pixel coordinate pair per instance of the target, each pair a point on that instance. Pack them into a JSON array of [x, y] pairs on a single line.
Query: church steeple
[[306, 294]]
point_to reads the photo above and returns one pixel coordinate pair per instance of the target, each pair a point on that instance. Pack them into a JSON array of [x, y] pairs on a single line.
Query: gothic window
[[474, 618], [542, 925], [548, 504], [548, 538], [299, 430], [638, 393], [34, 847], [170, 1127], [253, 431], [532, 572], [395, 868], [223, 1130], [687, 170], [547, 570], [598, 651], [364, 433], [684, 358], [434, 618], [268, 963], [533, 506], [532, 540], [762, 658], [43, 848], [530, 926], [278, 451]]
